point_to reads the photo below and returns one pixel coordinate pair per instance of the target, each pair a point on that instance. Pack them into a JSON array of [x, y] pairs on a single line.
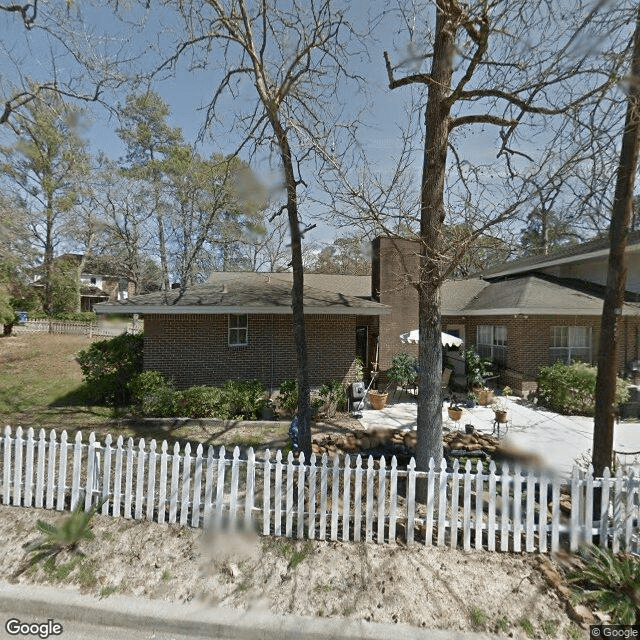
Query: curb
[[199, 619]]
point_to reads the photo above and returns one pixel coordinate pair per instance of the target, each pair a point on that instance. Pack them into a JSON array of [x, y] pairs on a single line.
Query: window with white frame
[[570, 343], [238, 330], [491, 343]]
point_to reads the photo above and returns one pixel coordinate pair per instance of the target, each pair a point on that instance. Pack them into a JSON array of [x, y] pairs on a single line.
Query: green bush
[[246, 398], [333, 397], [109, 365], [288, 395], [153, 394], [570, 388], [200, 402], [88, 317], [404, 369]]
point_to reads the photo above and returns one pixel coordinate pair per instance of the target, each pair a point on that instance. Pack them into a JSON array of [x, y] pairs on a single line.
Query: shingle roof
[[243, 293], [357, 286], [535, 295], [571, 253], [456, 294]]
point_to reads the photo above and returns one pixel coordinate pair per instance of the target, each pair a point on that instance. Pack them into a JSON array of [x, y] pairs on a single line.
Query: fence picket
[[357, 500], [289, 498], [530, 511], [555, 515], [335, 497], [588, 508], [6, 469], [62, 472], [616, 524], [575, 537], [312, 496], [17, 470], [346, 498], [40, 475], [368, 531], [222, 467], [249, 500], [428, 530], [542, 517], [323, 497], [186, 485], [466, 513], [442, 502], [77, 463], [455, 492], [504, 503], [106, 474], [162, 486], [478, 517], [604, 508], [411, 500], [630, 491], [128, 480], [235, 475], [151, 479], [175, 477], [393, 500], [266, 500], [208, 486], [382, 492], [491, 509], [277, 496], [140, 480], [91, 471], [517, 510], [28, 468], [301, 473], [197, 488]]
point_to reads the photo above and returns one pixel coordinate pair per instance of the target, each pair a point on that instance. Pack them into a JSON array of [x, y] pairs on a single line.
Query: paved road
[[119, 617]]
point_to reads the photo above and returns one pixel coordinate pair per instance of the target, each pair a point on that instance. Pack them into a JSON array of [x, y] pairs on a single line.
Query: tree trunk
[[429, 422], [617, 272], [47, 302], [297, 293]]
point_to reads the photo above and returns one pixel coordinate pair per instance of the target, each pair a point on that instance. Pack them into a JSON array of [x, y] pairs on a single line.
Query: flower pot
[[501, 416], [485, 396], [469, 428], [455, 414], [377, 399]]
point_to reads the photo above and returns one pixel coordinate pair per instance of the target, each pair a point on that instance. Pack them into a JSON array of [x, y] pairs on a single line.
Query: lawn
[[41, 387]]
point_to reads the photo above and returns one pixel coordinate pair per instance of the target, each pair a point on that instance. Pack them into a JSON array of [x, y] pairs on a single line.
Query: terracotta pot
[[377, 399], [455, 414], [501, 416], [485, 396]]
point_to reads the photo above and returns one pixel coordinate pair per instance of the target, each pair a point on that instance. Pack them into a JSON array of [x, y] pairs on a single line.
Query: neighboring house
[[525, 315], [99, 281]]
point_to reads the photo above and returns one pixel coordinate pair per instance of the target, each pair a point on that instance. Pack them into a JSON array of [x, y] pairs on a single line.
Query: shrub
[[333, 397], [88, 317], [153, 394], [288, 395], [200, 402], [612, 582], [570, 389], [109, 365], [246, 398], [404, 369]]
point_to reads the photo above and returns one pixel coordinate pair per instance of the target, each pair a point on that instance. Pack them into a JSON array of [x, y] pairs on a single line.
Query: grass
[[527, 627], [41, 387], [478, 617]]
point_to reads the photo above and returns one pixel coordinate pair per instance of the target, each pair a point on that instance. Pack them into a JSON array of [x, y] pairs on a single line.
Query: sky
[[187, 91]]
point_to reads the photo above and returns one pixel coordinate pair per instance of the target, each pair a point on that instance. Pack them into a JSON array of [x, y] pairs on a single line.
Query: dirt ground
[[440, 588]]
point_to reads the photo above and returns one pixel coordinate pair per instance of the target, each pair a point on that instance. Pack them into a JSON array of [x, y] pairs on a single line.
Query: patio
[[558, 441]]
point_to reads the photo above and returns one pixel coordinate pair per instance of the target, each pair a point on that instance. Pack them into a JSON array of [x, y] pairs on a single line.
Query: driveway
[[558, 441]]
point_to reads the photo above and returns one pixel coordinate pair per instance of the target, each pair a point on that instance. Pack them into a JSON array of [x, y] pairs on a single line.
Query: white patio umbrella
[[412, 337]]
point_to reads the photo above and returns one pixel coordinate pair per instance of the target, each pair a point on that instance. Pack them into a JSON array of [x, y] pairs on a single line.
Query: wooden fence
[[76, 328], [340, 499]]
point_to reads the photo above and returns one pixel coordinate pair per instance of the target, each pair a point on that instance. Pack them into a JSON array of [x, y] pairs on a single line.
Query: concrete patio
[[558, 441]]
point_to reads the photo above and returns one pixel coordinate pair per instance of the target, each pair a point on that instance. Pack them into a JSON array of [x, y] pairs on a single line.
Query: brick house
[[240, 326], [522, 316]]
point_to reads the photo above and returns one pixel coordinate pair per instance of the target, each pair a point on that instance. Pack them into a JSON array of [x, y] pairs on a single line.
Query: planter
[[501, 416], [455, 414], [377, 399], [469, 428]]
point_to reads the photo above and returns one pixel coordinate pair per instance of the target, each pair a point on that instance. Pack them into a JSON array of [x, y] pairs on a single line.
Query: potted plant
[[471, 400], [478, 370], [500, 411], [404, 369], [455, 412]]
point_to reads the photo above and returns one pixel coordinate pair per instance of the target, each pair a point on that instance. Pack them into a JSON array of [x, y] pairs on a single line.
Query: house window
[[491, 343], [238, 330], [570, 343]]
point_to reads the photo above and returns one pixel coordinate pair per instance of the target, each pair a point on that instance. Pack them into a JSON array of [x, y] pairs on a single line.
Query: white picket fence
[[75, 328], [343, 499]]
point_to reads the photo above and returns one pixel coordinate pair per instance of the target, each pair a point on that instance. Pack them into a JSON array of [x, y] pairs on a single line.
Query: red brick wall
[[194, 350], [528, 341]]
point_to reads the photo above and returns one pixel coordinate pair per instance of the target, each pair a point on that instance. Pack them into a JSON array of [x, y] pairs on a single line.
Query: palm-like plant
[[612, 582]]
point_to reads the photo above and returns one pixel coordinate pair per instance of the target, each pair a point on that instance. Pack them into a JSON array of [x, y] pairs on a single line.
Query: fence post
[[411, 500], [393, 500], [574, 533], [313, 470], [6, 479], [301, 472], [346, 498], [382, 498], [455, 491], [140, 480], [17, 471]]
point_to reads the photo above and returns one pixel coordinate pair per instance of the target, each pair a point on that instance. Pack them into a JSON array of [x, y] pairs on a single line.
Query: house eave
[[202, 310], [538, 311]]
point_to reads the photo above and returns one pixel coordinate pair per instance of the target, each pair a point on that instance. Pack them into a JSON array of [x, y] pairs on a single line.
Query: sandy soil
[[429, 587]]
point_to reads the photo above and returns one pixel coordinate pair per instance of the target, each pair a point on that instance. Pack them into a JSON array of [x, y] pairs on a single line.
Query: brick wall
[[395, 263], [194, 350], [529, 338]]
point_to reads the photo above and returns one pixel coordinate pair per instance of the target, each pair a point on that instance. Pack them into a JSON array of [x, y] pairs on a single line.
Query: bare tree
[[617, 272], [488, 68], [290, 59]]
